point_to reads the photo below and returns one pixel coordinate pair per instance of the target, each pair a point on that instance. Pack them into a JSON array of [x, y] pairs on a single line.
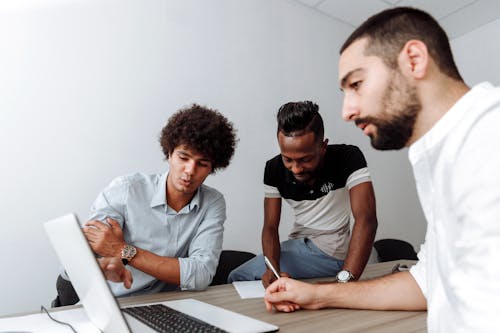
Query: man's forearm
[[397, 291], [271, 246], [270, 236], [360, 246], [163, 268]]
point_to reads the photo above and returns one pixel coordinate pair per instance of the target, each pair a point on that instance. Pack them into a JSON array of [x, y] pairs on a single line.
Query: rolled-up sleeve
[[111, 202], [418, 270], [198, 269]]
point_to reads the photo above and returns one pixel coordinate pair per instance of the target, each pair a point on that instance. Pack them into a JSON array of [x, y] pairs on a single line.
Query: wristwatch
[[128, 252], [344, 276]]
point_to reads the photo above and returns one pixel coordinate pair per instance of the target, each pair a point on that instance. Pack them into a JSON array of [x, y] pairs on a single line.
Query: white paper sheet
[[249, 289]]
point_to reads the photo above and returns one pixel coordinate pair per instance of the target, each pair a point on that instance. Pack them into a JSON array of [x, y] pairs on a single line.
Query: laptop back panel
[[85, 274], [99, 302]]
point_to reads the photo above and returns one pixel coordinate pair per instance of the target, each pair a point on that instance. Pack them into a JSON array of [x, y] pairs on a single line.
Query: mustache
[[366, 120], [358, 122]]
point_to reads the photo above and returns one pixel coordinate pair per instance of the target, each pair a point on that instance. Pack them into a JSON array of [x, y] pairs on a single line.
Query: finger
[[111, 266], [111, 276], [90, 237], [290, 304], [95, 224], [91, 231], [277, 297], [128, 279], [113, 223], [284, 307], [281, 306], [103, 262], [269, 306], [285, 274], [273, 287], [112, 272]]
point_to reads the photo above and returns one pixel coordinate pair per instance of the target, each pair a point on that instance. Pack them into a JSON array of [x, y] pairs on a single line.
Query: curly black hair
[[204, 130]]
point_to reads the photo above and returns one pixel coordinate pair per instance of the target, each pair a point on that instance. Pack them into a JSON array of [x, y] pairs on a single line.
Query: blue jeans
[[299, 257]]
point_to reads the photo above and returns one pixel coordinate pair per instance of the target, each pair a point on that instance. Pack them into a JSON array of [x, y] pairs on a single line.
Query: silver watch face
[[128, 252], [343, 276]]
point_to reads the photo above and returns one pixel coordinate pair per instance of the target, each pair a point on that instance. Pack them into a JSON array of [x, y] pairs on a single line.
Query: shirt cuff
[[418, 273]]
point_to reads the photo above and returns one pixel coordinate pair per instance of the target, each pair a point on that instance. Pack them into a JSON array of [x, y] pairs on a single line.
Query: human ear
[[414, 59], [324, 145]]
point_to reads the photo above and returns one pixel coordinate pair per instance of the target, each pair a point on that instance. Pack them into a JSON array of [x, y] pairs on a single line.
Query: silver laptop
[[100, 305]]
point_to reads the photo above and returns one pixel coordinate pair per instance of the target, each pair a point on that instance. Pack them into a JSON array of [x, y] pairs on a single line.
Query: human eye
[[204, 164], [306, 159], [355, 85], [182, 157]]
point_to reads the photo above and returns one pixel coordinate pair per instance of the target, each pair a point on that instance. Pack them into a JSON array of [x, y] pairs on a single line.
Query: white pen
[[271, 267]]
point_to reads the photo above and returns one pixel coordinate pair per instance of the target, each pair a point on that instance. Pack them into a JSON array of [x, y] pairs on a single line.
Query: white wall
[[85, 87], [477, 54]]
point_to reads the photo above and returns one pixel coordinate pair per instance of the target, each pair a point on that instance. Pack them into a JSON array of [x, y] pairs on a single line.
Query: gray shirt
[[193, 235]]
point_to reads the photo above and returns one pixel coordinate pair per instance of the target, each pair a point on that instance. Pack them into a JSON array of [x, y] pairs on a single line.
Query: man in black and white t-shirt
[[323, 184]]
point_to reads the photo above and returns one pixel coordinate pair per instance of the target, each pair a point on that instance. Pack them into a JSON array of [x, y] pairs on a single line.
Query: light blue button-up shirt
[[193, 235]]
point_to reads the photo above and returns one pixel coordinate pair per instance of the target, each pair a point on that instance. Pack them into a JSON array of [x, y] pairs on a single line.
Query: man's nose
[[296, 168], [190, 167], [350, 109]]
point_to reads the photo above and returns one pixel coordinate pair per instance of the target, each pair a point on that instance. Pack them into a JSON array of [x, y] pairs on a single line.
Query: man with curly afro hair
[[203, 130], [164, 231]]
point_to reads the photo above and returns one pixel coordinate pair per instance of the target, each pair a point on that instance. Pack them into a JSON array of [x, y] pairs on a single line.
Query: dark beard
[[395, 126], [394, 133]]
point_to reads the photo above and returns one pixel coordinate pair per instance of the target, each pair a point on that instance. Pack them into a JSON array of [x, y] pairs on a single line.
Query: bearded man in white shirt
[[403, 89]]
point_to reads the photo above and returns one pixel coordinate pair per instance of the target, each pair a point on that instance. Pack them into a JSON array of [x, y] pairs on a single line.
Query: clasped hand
[[115, 271], [288, 295], [107, 241]]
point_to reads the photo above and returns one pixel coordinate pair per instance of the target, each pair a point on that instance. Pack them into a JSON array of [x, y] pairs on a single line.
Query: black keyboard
[[165, 319]]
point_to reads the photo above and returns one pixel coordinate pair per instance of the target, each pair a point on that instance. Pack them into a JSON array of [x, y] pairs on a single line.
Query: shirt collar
[[160, 195], [192, 205], [195, 202], [447, 122]]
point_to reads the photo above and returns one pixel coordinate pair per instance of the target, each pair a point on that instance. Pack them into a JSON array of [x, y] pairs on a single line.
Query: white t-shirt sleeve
[[271, 192], [357, 177]]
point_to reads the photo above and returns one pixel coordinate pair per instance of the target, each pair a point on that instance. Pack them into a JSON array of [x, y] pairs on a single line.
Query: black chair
[[66, 294], [394, 249], [228, 261]]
